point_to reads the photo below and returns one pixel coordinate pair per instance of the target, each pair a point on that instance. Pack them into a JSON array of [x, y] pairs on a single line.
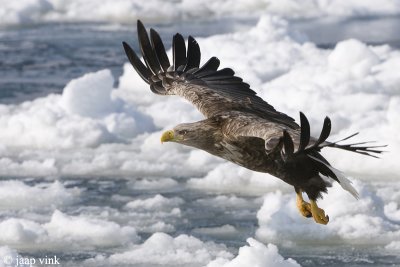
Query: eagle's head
[[197, 134]]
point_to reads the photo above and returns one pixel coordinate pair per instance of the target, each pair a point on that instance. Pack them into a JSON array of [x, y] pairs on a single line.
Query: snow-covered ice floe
[[95, 130], [353, 221], [183, 250], [159, 11]]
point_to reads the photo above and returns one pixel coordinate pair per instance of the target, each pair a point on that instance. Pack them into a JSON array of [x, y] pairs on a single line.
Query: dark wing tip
[[159, 49], [348, 137], [178, 51], [304, 132], [325, 132], [287, 144], [148, 52], [140, 25], [193, 54], [140, 68]]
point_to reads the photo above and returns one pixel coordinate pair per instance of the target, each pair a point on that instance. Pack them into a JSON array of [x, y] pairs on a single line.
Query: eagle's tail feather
[[319, 162], [335, 173]]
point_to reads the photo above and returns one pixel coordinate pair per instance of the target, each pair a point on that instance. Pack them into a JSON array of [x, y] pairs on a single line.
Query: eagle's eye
[[182, 132]]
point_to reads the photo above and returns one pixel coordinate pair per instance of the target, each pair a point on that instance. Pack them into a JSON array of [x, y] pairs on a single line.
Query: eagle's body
[[250, 152], [239, 125]]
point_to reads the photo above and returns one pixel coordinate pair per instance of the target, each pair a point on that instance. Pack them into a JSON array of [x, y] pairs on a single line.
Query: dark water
[[374, 31], [40, 60]]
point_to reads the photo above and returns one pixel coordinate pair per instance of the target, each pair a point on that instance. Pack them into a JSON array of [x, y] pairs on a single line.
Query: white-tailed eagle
[[239, 126]]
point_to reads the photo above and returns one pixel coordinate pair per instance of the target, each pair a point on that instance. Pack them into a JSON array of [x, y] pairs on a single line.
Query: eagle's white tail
[[343, 181]]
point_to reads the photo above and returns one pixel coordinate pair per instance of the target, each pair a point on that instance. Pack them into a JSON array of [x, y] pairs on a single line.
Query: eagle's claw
[[303, 207], [318, 214]]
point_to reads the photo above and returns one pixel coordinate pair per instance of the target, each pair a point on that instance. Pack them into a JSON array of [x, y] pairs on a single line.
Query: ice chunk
[[10, 257], [17, 195], [227, 177], [90, 95], [354, 56], [355, 221], [157, 202], [162, 249], [89, 232], [79, 232], [158, 11], [256, 254]]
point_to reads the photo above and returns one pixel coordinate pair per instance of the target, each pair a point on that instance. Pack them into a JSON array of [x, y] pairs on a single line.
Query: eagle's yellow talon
[[303, 206], [318, 214]]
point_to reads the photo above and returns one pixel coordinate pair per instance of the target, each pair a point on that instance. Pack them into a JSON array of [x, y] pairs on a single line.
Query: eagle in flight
[[239, 126]]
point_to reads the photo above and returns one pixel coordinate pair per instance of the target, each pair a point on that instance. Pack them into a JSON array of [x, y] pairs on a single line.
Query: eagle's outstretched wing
[[294, 143], [291, 142], [211, 90]]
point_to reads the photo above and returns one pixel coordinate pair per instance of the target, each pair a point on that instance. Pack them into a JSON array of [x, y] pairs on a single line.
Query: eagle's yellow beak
[[167, 136]]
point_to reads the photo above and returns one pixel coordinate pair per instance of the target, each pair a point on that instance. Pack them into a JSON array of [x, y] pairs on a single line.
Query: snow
[[183, 250], [228, 178], [9, 256], [256, 254], [79, 232], [94, 131], [351, 221], [163, 249], [341, 9], [83, 116], [158, 202], [90, 232], [25, 12], [93, 99], [18, 195], [160, 184]]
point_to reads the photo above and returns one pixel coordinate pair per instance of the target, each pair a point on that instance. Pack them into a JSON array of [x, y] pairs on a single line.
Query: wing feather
[[148, 52], [291, 143], [178, 51], [304, 132], [210, 66], [211, 90], [140, 68], [159, 48], [193, 54]]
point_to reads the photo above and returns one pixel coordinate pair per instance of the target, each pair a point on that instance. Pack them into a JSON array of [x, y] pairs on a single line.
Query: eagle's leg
[[303, 206], [318, 214]]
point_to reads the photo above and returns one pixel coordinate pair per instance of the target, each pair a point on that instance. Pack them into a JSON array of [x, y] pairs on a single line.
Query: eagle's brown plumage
[[239, 125]]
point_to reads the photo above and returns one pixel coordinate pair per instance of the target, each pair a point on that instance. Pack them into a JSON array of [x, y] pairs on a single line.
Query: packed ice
[[39, 11], [96, 130]]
